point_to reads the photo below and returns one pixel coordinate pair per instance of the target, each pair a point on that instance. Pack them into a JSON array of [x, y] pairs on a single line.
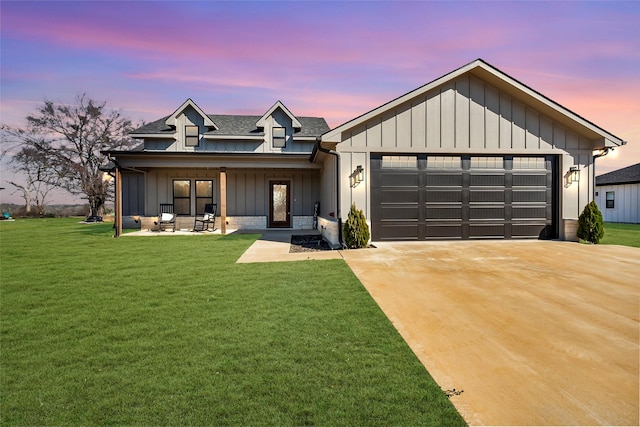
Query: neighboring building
[[618, 195], [473, 154]]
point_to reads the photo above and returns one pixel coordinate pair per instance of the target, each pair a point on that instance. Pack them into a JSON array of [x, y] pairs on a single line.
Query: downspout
[[601, 153], [319, 147]]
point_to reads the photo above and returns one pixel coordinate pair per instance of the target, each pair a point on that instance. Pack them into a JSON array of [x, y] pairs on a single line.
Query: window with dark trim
[[611, 199], [182, 196], [204, 195], [191, 136], [279, 137]]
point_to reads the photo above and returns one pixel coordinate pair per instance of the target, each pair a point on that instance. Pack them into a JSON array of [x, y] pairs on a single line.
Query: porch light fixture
[[107, 177], [357, 176], [574, 173]]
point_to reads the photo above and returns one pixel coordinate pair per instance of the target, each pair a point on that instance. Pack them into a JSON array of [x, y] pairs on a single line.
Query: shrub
[[356, 230], [591, 224]]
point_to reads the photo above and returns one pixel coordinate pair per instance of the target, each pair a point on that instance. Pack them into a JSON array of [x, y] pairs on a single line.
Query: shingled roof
[[628, 175], [232, 125]]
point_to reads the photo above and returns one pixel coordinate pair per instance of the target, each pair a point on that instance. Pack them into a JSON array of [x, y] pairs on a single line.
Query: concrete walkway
[[274, 245]]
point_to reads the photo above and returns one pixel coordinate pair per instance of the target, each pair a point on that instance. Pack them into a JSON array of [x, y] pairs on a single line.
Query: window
[[191, 136], [404, 162], [611, 199], [444, 162], [182, 196], [279, 137], [204, 195], [487, 163], [529, 163]]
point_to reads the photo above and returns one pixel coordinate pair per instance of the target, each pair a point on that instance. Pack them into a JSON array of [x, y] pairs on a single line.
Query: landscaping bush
[[591, 224], [356, 230]]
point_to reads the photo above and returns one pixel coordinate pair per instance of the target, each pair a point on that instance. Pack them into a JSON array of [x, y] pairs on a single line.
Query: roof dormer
[[279, 105], [172, 119]]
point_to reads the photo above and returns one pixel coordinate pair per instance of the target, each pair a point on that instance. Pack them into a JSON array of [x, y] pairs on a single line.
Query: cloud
[[336, 59]]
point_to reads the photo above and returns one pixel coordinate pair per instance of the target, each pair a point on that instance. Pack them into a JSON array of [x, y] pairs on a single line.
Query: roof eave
[[241, 137], [151, 135]]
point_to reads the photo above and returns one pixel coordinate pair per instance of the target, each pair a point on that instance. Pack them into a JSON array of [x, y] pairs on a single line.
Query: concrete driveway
[[532, 332]]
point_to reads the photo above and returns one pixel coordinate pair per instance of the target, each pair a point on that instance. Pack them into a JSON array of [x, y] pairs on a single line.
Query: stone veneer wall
[[570, 230], [246, 222], [329, 230], [302, 222]]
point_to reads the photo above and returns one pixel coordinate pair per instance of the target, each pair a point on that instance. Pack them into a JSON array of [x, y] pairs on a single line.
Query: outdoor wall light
[[574, 173], [107, 177], [357, 176]]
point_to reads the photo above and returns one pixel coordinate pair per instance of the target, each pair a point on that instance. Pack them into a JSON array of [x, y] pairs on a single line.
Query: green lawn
[[169, 330], [621, 234]]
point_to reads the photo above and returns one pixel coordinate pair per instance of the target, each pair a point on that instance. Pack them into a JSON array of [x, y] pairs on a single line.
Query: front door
[[280, 204]]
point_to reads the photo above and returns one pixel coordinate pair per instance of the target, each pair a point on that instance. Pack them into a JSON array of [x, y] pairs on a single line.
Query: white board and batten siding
[[626, 202], [466, 116]]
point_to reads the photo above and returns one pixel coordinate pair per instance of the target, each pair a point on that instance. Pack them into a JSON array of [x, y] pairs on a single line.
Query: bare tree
[[38, 176], [71, 139]]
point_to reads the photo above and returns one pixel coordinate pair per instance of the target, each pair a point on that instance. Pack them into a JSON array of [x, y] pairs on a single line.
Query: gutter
[[317, 147]]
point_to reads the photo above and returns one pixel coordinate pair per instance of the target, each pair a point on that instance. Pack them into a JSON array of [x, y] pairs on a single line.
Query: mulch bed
[[308, 243]]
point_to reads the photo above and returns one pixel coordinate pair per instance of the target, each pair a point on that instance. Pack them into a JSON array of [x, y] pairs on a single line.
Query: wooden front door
[[280, 204]]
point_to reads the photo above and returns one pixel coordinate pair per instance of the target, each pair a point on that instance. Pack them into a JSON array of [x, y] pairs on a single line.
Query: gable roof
[[294, 122], [502, 81], [171, 120], [628, 175], [231, 126]]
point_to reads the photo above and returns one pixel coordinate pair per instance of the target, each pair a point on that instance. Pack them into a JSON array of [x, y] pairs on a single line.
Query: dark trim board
[[465, 201]]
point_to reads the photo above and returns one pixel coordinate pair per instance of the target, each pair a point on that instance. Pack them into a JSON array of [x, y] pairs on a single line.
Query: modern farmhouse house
[[255, 168], [473, 154]]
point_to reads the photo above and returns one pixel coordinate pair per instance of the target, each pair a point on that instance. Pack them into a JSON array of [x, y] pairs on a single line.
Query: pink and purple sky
[[336, 60]]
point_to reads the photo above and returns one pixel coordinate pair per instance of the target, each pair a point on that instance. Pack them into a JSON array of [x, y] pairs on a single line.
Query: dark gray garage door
[[424, 197]]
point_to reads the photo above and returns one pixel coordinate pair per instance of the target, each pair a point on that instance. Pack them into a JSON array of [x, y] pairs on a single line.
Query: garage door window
[[403, 162], [444, 162], [487, 163], [529, 163]]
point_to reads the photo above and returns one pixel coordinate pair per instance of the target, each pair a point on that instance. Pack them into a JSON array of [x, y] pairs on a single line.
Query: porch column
[[118, 203], [223, 200]]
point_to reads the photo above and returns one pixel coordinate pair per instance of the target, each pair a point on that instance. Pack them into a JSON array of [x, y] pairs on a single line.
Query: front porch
[[232, 223]]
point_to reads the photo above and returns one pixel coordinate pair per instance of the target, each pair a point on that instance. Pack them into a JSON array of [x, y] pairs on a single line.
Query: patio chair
[[166, 218], [208, 219]]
